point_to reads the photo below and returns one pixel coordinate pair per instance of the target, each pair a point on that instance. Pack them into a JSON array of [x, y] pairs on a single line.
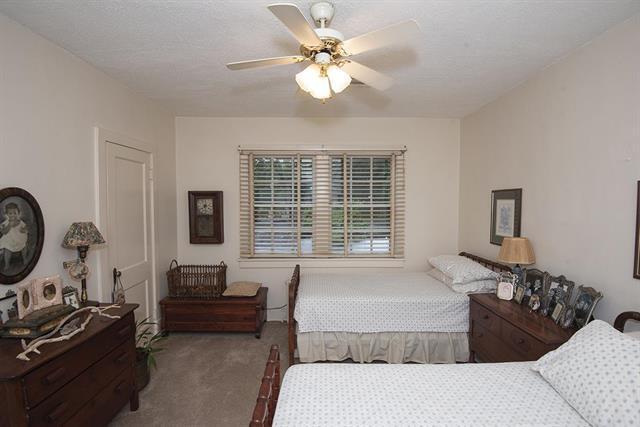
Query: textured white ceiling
[[469, 52]]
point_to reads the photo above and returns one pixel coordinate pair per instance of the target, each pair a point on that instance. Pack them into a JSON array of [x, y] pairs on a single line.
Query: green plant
[[146, 341]]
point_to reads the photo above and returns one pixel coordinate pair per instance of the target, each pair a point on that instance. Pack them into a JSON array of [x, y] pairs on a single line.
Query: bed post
[[269, 391], [293, 293]]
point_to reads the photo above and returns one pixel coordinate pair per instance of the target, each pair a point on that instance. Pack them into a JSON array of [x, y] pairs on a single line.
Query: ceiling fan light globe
[[306, 78], [321, 88], [339, 79]]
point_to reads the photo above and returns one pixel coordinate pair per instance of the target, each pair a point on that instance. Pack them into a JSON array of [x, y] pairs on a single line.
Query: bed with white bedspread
[[502, 394], [394, 317], [381, 302]]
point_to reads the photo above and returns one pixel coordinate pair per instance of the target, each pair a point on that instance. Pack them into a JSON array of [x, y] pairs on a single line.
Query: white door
[[129, 220]]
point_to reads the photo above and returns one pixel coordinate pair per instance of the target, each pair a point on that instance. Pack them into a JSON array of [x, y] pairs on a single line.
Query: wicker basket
[[196, 281]]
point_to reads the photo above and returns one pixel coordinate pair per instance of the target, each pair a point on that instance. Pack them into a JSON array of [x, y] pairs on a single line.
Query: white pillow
[[461, 269], [598, 373], [478, 286]]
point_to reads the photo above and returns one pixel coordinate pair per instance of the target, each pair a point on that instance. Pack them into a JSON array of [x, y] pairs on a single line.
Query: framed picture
[[70, 296], [636, 259], [535, 283], [26, 300], [205, 217], [558, 310], [519, 294], [21, 234], [567, 318], [506, 208], [47, 291], [585, 304], [559, 290]]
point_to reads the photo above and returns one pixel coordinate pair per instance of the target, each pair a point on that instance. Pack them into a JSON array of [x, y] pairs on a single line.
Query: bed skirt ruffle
[[391, 347]]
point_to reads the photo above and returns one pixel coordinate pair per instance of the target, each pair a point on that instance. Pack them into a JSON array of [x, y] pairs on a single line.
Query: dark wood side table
[[83, 381], [224, 314], [503, 331]]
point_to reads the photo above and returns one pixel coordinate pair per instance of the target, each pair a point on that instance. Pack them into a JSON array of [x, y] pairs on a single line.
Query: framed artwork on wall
[[506, 208], [21, 234], [636, 259], [205, 217]]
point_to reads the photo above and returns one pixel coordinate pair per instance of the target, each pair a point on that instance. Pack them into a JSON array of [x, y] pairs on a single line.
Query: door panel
[[129, 223]]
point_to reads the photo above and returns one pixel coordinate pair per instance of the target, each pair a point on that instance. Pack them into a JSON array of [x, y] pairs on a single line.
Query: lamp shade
[[516, 250], [82, 234]]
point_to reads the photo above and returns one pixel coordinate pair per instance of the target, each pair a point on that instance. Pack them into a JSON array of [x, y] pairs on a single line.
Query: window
[[321, 204]]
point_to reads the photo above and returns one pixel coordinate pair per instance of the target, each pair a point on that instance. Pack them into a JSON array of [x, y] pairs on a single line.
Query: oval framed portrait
[[21, 234]]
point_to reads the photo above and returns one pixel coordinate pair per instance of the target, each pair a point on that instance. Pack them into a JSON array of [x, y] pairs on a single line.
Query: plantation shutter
[[322, 203]]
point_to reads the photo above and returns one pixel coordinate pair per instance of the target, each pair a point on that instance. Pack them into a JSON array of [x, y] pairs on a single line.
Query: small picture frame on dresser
[[558, 311], [586, 301], [519, 294]]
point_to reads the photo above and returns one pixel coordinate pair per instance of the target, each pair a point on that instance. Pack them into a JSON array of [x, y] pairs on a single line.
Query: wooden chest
[[503, 331], [85, 380], [224, 314]]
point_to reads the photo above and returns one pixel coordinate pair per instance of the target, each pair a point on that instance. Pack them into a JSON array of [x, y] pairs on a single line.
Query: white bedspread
[[398, 302], [505, 394]]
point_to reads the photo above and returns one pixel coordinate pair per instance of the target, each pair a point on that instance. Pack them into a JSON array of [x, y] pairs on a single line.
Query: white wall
[[207, 159], [50, 102], [570, 137]]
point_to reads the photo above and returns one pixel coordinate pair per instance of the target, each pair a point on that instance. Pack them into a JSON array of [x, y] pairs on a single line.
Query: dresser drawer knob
[[485, 317], [54, 376], [520, 341], [57, 413]]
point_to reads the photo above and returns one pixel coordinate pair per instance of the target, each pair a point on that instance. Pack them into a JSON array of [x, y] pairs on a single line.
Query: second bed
[[392, 317]]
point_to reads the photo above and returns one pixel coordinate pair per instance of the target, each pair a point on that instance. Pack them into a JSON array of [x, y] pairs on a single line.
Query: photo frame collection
[[557, 298]]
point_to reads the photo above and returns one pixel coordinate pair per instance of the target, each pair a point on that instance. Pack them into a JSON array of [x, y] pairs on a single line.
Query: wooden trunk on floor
[[224, 314]]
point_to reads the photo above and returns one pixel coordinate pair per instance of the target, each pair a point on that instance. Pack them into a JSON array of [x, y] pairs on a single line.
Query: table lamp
[[81, 235], [516, 250]]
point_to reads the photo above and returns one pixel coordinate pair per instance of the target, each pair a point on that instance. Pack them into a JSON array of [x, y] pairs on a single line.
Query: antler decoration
[[33, 346]]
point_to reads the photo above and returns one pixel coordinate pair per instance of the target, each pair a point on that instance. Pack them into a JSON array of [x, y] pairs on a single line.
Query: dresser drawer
[[47, 379], [492, 348], [523, 343], [106, 404], [59, 407], [485, 318]]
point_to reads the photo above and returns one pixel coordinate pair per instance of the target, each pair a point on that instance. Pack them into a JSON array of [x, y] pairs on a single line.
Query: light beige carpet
[[206, 379]]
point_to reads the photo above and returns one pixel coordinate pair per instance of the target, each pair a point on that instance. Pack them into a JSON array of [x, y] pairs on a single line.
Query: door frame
[[105, 279]]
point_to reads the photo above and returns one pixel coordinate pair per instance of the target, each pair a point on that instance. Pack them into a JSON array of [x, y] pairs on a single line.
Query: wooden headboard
[[491, 265], [295, 283]]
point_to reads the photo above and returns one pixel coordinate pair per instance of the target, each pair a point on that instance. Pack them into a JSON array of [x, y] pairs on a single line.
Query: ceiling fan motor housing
[[322, 12]]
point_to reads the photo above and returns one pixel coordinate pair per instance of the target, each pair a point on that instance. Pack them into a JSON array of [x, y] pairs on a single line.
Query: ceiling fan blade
[[392, 34], [295, 21], [367, 76], [266, 62]]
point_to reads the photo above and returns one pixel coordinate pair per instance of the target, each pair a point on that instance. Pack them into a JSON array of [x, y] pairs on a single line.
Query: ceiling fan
[[332, 68]]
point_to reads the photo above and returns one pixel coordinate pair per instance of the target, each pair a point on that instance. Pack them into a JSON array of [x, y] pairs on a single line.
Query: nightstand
[[503, 331]]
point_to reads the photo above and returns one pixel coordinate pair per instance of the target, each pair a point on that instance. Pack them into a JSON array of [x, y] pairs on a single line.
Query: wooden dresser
[[83, 381], [503, 331], [224, 314]]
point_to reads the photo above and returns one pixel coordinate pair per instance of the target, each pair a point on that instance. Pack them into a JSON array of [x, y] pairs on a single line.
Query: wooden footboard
[[269, 390], [293, 294]]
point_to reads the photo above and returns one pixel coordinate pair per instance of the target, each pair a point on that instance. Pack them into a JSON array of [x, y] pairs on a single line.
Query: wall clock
[[205, 217]]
